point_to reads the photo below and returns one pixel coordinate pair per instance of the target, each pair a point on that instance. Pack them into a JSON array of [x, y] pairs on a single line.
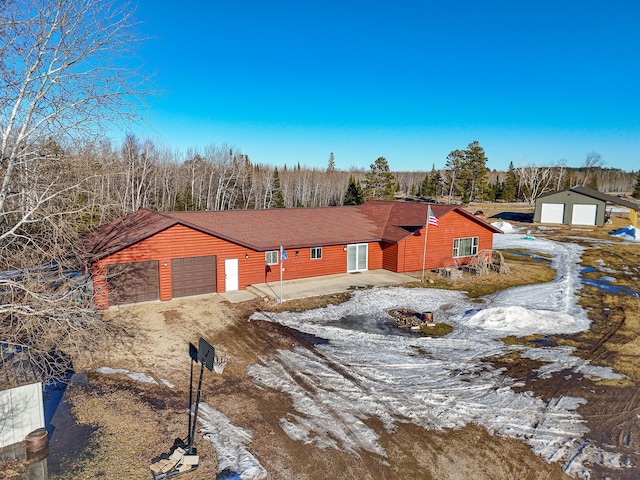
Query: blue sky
[[290, 82]]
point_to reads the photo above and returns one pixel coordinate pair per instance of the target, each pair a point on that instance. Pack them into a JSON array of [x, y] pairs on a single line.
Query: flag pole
[[424, 252], [281, 262]]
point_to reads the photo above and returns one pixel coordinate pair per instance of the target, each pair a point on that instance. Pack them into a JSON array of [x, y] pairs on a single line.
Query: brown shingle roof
[[122, 232], [263, 230], [400, 219], [292, 227]]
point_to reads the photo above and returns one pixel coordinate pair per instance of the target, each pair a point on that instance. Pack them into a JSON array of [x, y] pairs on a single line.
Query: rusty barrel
[[36, 440]]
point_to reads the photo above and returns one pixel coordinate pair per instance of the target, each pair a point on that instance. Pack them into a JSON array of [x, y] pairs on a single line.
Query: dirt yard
[[136, 421]]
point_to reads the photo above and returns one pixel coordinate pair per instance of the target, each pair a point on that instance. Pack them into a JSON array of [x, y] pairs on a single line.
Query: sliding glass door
[[357, 257]]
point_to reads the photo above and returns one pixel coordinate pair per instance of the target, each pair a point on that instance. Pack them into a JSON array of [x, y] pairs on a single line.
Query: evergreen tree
[[353, 196], [636, 189], [277, 198], [431, 182], [379, 182], [473, 179], [331, 166], [453, 167], [509, 185], [438, 184]]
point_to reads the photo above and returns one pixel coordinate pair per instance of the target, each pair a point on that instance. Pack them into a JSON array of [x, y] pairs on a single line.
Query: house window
[[271, 257], [316, 253], [465, 247]]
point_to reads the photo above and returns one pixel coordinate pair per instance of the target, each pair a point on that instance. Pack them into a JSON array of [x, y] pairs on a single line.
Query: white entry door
[[231, 274], [357, 257]]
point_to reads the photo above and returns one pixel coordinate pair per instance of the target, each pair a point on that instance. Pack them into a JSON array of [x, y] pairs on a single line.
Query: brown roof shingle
[[293, 227], [122, 232], [262, 230]]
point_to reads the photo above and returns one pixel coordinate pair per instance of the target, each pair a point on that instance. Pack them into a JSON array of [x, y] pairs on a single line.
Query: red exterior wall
[[180, 241], [177, 242], [333, 261], [407, 255]]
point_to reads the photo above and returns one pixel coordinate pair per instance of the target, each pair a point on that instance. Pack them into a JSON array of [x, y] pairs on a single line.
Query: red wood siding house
[[158, 256]]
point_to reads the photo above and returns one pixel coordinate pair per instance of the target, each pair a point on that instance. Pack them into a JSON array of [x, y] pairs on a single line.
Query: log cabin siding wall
[[440, 241], [390, 256], [179, 242], [407, 255], [333, 261]]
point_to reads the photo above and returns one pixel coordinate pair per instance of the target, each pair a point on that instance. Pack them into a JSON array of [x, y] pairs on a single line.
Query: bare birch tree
[[534, 181], [61, 79]]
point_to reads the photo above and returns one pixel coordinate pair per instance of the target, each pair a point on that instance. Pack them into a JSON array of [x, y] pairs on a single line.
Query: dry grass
[[437, 330], [14, 469], [523, 271], [130, 433]]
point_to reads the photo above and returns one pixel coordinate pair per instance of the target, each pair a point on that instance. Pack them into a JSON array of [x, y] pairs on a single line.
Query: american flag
[[432, 219]]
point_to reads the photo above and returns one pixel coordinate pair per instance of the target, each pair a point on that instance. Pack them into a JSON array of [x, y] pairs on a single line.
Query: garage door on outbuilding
[[133, 282], [552, 213], [579, 206], [193, 276], [584, 214]]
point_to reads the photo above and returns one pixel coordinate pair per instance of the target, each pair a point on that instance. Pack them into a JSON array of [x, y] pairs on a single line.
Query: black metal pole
[[195, 415], [190, 401]]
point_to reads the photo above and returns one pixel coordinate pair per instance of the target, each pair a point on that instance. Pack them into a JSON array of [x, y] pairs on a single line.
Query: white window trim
[[474, 247], [270, 253], [311, 250]]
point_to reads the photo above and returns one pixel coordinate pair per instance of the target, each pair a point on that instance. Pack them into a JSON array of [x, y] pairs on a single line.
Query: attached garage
[[133, 282], [193, 276]]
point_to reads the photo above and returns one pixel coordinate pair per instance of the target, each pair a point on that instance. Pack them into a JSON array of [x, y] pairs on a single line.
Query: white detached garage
[[578, 206]]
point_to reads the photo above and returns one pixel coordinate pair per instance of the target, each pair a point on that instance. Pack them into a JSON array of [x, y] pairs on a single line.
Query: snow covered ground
[[368, 369]]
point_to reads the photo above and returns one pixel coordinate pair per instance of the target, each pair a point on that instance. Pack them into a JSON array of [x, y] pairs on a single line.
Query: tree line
[[98, 181]]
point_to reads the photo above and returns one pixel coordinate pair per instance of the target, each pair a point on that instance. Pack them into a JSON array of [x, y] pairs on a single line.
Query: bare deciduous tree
[[592, 161], [534, 181], [61, 79]]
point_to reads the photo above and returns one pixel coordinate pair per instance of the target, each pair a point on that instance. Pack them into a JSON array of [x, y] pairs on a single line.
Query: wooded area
[[111, 180]]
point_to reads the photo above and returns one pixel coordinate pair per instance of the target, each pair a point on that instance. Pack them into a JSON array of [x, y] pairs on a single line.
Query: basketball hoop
[[219, 363]]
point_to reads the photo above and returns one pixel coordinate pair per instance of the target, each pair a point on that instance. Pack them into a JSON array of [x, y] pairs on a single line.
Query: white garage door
[[584, 215], [552, 213]]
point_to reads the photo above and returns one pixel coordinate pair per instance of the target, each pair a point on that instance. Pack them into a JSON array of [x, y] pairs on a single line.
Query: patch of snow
[[504, 226], [517, 320], [167, 383], [109, 370], [628, 233], [230, 442], [137, 376]]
